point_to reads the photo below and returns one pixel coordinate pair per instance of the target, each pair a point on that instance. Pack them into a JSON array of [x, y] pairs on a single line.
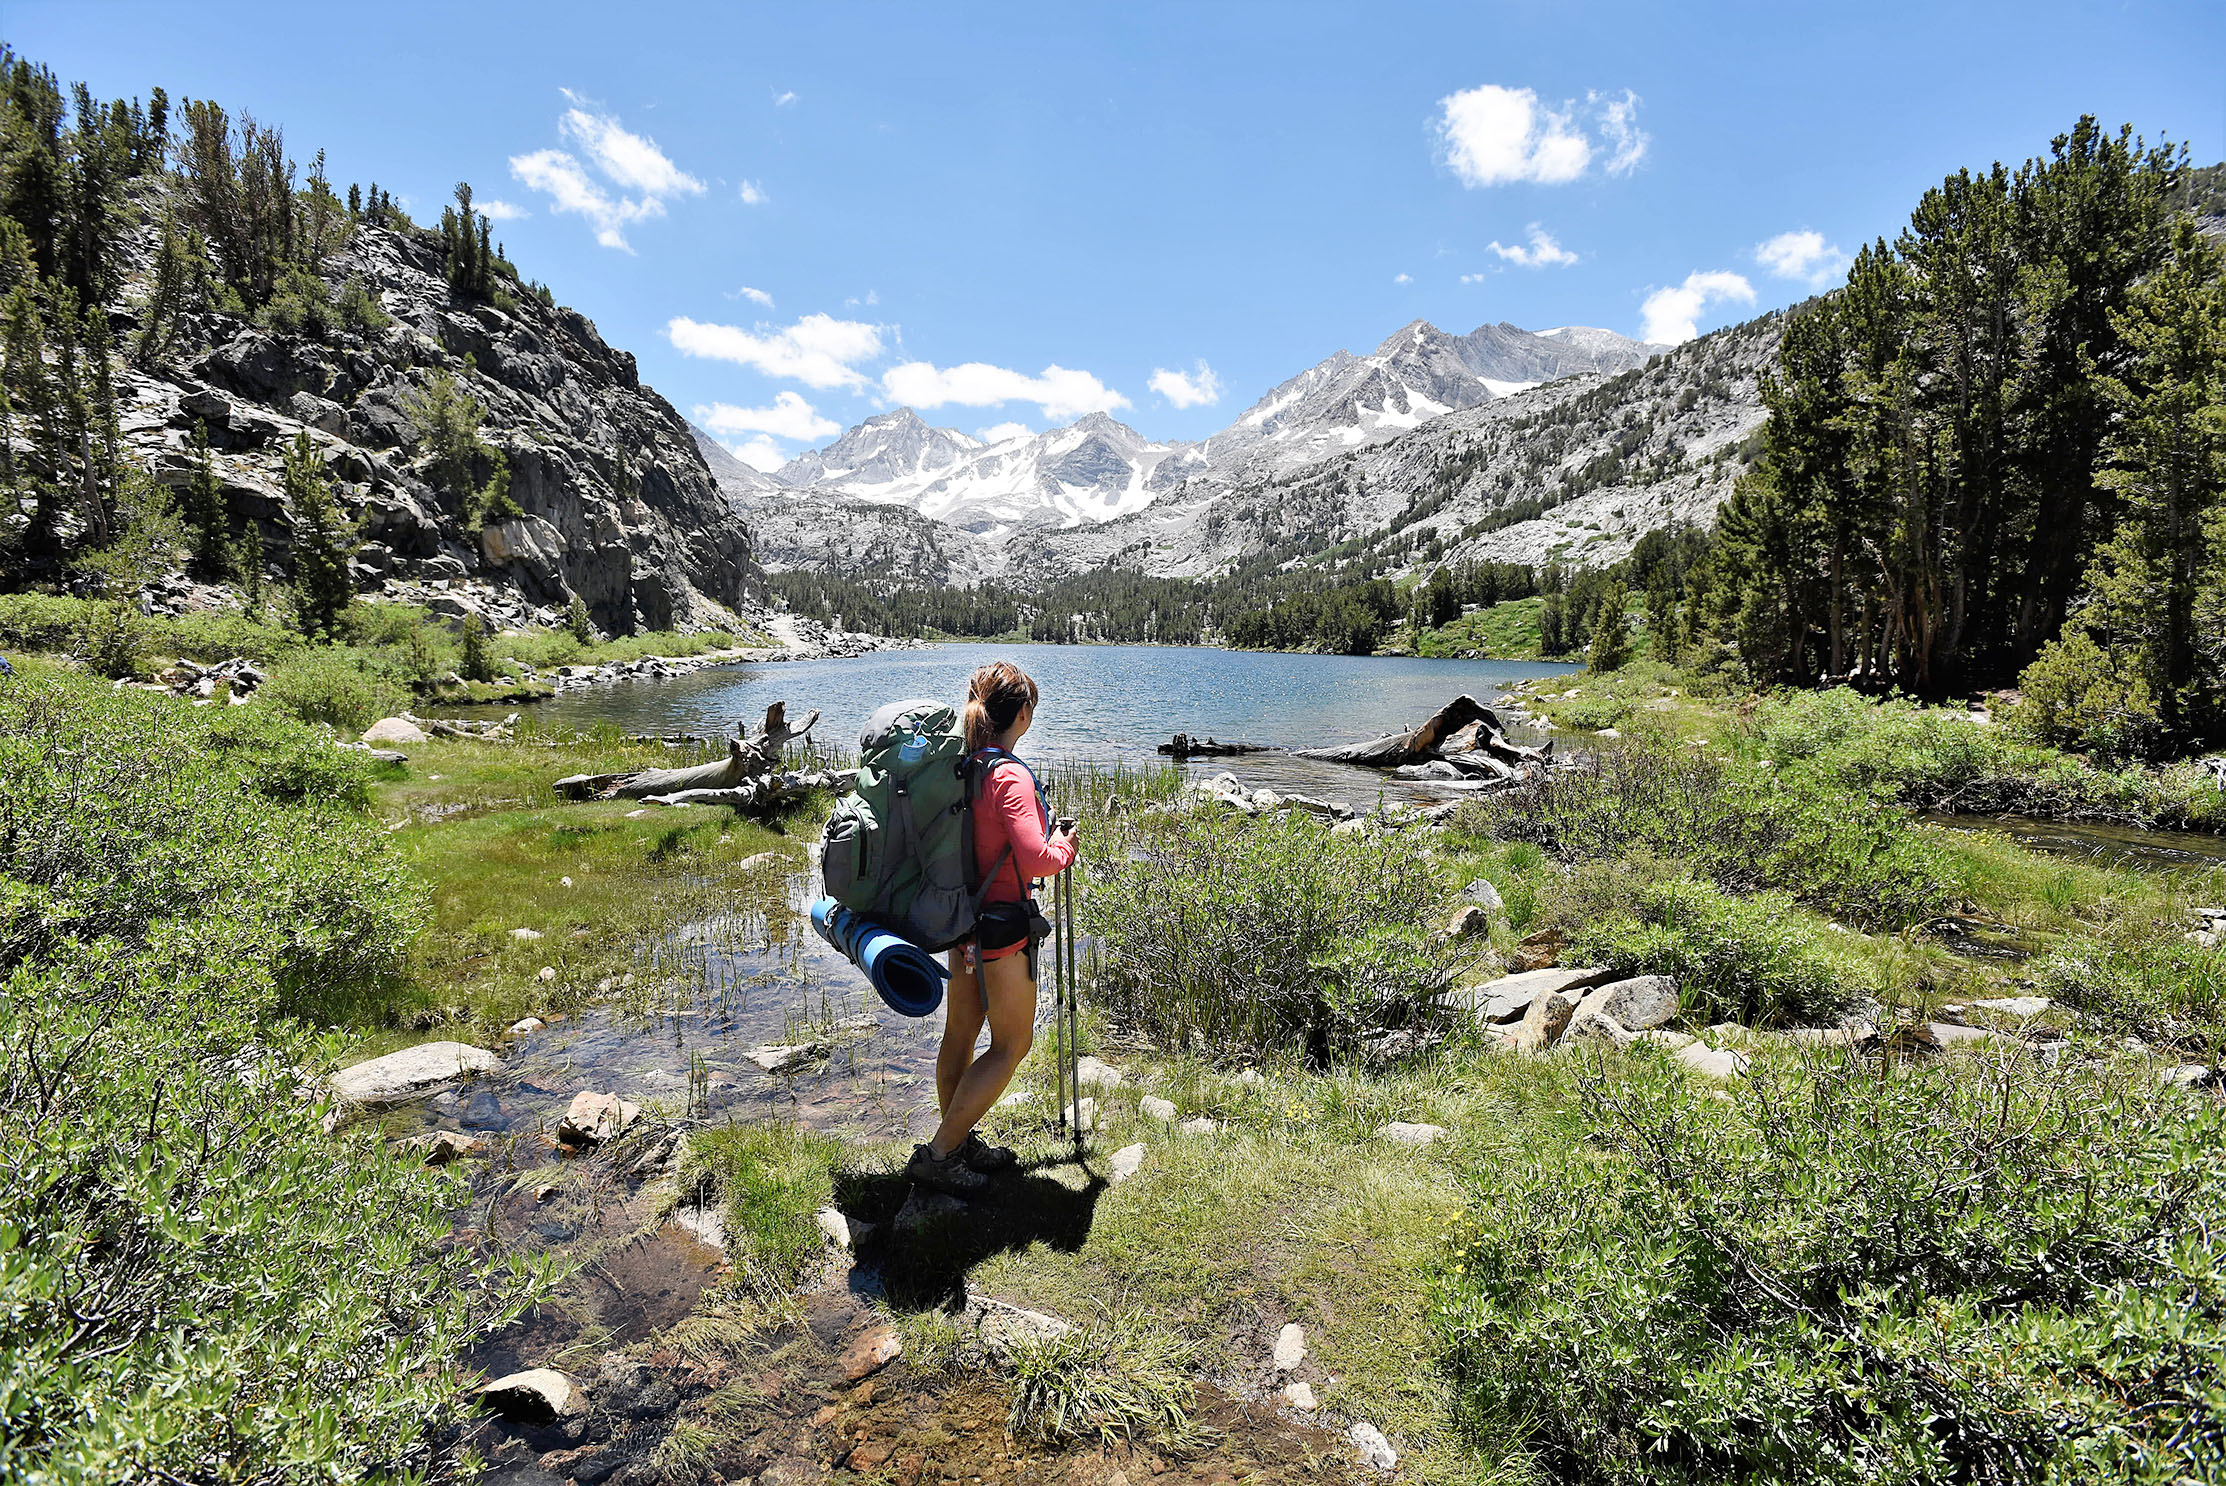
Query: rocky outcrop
[[614, 502]]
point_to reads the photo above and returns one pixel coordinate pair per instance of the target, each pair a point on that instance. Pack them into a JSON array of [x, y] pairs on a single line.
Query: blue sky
[[798, 216]]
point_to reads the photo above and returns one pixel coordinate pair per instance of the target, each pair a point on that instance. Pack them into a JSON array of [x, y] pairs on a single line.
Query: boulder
[[1545, 1021], [1505, 999], [1126, 1162], [539, 1395], [1399, 1132], [1290, 1347], [1470, 922], [1638, 1004], [395, 730], [410, 1072], [1484, 896], [1717, 1063], [870, 1353], [1590, 1024], [594, 1118]]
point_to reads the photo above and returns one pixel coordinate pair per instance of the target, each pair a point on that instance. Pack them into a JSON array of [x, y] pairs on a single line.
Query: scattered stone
[[395, 730], [1717, 1063], [2206, 938], [1545, 1021], [2021, 1007], [1854, 1034], [1606, 733], [1470, 922], [837, 1227], [1384, 1049], [1159, 1109], [1662, 1037], [1081, 1115], [1590, 1024], [526, 1025], [925, 1209], [764, 860], [1731, 1032], [527, 934], [594, 1118], [1944, 1035], [1399, 1132], [1374, 1449], [636, 814], [1199, 1125], [871, 1353], [1250, 1076], [544, 1192], [2186, 1076], [1300, 1396], [539, 1395], [1637, 1005], [546, 975], [411, 1071], [780, 1057], [1126, 1162], [1539, 951], [484, 1112], [1004, 1329], [1017, 1096], [442, 1146], [1485, 896], [1507, 998], [1290, 1347], [1093, 1073]]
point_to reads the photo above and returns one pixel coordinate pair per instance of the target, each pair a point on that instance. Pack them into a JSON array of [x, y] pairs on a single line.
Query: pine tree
[[324, 541], [1611, 636], [577, 621], [206, 526], [477, 665]]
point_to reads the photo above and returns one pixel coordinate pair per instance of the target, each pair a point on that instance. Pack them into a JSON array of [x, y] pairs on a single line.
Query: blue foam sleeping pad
[[903, 974]]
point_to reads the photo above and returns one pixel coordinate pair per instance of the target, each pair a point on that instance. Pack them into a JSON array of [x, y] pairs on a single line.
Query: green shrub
[[1266, 934], [2169, 990], [1968, 1271], [331, 686], [40, 621], [197, 1281], [2078, 695], [1758, 959], [112, 640], [577, 623]]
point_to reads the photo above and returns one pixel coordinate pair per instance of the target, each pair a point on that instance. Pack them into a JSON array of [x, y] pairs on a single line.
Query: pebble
[[1300, 1396], [1290, 1347], [834, 1225], [1126, 1161], [525, 933], [547, 975], [526, 1025], [1159, 1109], [1374, 1449], [1097, 1074]]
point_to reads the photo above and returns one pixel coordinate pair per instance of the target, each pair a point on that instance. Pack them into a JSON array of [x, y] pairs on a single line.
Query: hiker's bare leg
[[962, 1028], [1012, 1031]]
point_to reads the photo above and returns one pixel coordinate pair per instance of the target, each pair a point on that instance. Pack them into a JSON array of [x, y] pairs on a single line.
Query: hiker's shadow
[[921, 1246]]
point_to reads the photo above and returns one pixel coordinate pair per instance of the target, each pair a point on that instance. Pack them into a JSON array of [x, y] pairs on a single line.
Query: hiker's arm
[[1013, 797]]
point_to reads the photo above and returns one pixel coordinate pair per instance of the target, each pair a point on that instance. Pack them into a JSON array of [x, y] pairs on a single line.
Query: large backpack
[[899, 848]]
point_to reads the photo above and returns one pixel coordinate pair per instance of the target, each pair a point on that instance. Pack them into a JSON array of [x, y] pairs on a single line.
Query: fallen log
[[1418, 746], [1182, 745], [748, 760]]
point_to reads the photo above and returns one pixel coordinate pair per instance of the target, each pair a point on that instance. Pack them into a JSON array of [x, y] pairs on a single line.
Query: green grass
[[1507, 631], [771, 1180]]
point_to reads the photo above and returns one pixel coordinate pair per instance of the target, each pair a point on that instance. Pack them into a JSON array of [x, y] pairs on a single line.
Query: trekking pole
[[1058, 1054], [1074, 1001]]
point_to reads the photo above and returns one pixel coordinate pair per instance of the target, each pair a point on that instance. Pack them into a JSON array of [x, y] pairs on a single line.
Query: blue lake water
[[1100, 702]]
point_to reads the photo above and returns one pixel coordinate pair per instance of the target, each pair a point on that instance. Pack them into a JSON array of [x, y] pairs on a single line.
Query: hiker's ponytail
[[994, 699]]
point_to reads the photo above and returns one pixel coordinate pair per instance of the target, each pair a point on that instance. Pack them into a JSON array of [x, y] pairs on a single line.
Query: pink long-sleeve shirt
[[1009, 811]]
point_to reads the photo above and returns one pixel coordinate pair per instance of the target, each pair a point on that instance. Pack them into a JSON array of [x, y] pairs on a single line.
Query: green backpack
[[899, 848]]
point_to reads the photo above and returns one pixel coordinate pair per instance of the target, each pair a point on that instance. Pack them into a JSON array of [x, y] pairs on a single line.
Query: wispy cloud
[[1402, 278], [753, 194], [1669, 316], [1061, 392], [1541, 252], [1494, 136], [790, 417], [818, 350], [499, 211], [783, 99], [1198, 388], [755, 296], [1474, 278], [1803, 255], [998, 433], [636, 177]]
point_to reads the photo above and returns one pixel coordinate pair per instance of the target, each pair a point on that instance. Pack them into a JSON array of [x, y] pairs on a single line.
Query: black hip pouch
[[1002, 925]]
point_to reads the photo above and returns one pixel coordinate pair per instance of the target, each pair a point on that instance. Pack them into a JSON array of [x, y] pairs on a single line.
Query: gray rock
[[1854, 1034], [1373, 1448], [1662, 1037], [1545, 1021], [2186, 1076], [539, 1395], [2021, 1007], [594, 1118], [925, 1210], [1399, 1132], [1005, 1329], [1510, 996], [439, 1147], [1095, 1073], [1157, 1108], [1590, 1024], [783, 1057], [1197, 1125], [1638, 1004], [1471, 922], [1290, 1347], [1485, 896], [1721, 1064], [1126, 1162], [411, 1071], [1300, 1396], [394, 730]]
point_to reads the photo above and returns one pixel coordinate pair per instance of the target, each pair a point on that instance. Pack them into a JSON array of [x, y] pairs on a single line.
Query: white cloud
[[818, 350], [1668, 315], [783, 100], [755, 296], [872, 297], [1474, 278], [790, 417], [1192, 389], [1619, 122], [499, 211], [630, 161], [1492, 136], [1543, 251], [752, 194], [760, 453], [1062, 393], [627, 161], [1803, 255], [1402, 278], [997, 433]]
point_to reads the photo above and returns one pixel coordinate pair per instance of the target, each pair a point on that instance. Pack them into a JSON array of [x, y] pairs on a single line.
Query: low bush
[[1265, 934], [333, 687], [1796, 830], [1756, 959], [1968, 1271], [197, 1281], [2168, 990]]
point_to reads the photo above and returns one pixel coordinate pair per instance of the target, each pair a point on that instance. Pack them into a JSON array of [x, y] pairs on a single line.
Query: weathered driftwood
[[1182, 745], [748, 761], [1418, 746], [762, 794], [1462, 740]]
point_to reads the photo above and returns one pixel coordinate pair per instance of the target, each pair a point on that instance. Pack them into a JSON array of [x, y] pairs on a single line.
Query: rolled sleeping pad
[[903, 974]]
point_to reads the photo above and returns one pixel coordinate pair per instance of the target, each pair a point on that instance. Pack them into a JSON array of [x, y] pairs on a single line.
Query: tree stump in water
[[746, 777]]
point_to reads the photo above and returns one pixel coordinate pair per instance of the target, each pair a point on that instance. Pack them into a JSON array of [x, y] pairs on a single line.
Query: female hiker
[[993, 978]]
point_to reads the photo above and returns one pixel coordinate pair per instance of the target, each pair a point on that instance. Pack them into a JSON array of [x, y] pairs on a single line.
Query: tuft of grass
[[1109, 1383], [772, 1179]]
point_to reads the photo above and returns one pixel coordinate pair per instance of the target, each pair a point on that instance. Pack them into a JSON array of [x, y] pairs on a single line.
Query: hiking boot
[[949, 1175], [986, 1158]]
